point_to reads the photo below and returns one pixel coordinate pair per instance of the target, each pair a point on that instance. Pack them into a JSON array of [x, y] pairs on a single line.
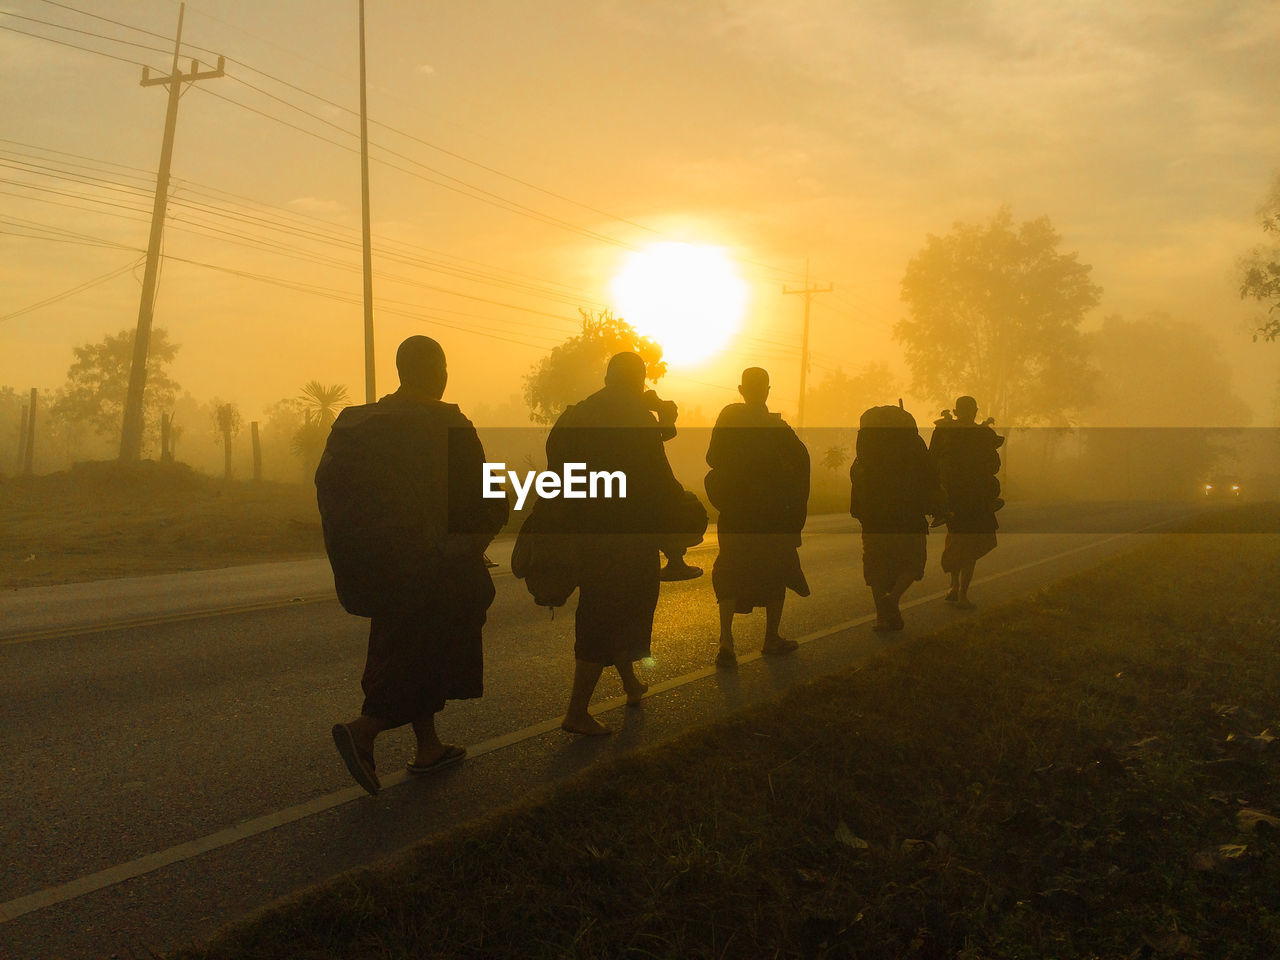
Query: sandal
[[359, 761]]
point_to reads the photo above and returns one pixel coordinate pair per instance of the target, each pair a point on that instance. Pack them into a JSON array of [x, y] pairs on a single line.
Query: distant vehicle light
[[1222, 490]]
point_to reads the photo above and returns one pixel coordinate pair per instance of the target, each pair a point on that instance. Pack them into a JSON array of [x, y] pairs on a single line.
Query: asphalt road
[[173, 773]]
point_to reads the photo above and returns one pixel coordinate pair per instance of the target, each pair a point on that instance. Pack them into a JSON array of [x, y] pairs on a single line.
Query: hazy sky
[[552, 137]]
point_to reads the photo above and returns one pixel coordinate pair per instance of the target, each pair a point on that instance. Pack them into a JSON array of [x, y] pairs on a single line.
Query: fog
[[520, 151]]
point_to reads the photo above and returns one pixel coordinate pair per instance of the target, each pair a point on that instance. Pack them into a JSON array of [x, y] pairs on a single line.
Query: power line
[[78, 156], [75, 46], [335, 231], [301, 285], [325, 237], [476, 192], [87, 33], [118, 23], [333, 294], [71, 292], [463, 187], [83, 243], [457, 185]]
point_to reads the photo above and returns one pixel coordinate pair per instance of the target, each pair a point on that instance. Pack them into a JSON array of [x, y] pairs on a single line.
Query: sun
[[686, 296]]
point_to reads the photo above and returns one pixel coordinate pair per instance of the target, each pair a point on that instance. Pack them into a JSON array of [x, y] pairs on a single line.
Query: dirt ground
[[105, 519]]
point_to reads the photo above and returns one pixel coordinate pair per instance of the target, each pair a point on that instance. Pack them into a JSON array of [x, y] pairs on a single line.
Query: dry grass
[[1085, 774], [103, 520]]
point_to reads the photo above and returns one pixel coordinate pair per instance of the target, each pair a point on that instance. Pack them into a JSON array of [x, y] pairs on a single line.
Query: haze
[[837, 133]]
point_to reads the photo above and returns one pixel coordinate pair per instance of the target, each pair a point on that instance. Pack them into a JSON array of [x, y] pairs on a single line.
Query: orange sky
[[554, 137]]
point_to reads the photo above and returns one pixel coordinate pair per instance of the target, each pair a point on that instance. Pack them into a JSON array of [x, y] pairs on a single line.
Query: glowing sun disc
[[688, 297]]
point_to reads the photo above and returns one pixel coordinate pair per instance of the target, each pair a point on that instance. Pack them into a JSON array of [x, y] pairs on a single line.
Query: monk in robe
[[967, 458], [759, 481], [432, 523], [617, 538], [893, 485]]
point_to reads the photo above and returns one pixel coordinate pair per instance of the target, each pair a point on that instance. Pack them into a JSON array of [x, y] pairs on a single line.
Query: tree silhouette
[[575, 369], [323, 402], [995, 312], [98, 381], [1260, 267], [320, 406], [226, 418], [835, 457], [839, 399]]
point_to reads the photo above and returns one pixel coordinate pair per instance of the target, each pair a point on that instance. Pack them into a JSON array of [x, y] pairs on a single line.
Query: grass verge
[[1088, 773], [101, 520]]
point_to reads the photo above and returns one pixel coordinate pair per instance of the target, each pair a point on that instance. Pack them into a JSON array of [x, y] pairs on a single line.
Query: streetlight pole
[[370, 390]]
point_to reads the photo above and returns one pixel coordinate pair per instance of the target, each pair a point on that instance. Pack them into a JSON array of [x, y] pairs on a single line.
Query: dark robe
[[893, 485], [617, 538], [433, 525], [759, 481], [967, 458]]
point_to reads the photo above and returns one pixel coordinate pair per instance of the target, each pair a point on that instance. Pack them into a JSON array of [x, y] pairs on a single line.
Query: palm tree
[[320, 407], [835, 457], [323, 402], [226, 417]]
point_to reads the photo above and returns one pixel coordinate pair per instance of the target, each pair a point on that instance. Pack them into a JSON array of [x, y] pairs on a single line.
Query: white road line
[[91, 882], [110, 626], [114, 625]]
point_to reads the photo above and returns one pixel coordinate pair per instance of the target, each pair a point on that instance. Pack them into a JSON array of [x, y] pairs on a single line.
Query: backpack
[[544, 558], [382, 491], [892, 476]]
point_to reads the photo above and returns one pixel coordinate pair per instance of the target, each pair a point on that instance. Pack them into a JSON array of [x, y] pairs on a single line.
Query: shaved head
[[420, 363], [755, 385], [626, 370]]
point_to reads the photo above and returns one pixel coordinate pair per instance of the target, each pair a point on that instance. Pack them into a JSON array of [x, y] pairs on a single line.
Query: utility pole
[[131, 433], [22, 441], [370, 391], [808, 290], [29, 453]]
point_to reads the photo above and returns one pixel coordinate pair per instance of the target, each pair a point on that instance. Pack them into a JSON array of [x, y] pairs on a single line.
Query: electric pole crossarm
[[195, 74]]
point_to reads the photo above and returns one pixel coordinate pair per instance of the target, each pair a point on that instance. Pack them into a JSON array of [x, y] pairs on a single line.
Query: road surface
[[166, 739]]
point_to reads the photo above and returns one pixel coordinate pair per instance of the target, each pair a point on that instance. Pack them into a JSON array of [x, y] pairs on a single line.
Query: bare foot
[[636, 692], [953, 595], [587, 726]]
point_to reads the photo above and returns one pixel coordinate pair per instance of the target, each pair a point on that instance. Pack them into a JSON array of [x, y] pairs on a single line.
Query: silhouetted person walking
[[406, 527], [617, 539], [967, 458], [759, 481], [893, 485]]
